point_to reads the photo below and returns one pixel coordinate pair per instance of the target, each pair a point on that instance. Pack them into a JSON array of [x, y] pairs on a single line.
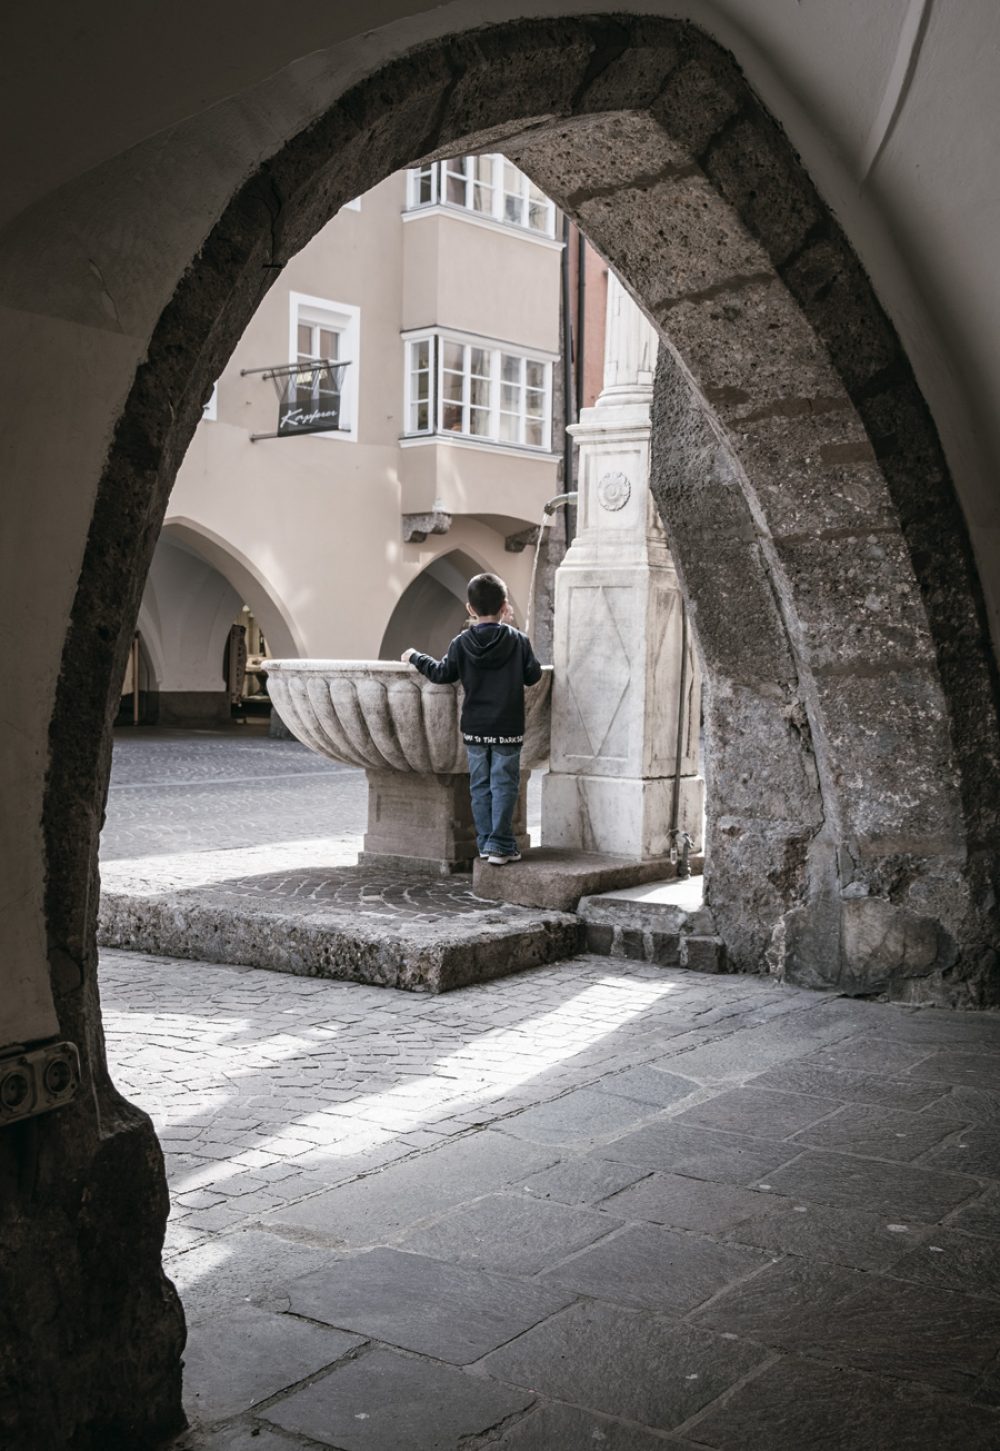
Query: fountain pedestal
[[427, 821], [403, 730]]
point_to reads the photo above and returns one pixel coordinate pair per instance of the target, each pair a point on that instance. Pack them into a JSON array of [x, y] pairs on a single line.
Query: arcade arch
[[852, 693]]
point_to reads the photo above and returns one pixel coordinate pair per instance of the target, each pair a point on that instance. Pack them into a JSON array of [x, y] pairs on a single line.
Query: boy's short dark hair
[[487, 594]]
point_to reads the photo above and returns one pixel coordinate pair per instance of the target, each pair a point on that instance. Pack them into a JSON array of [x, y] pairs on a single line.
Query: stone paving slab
[[658, 1269], [384, 1402], [246, 1355], [514, 1234], [797, 1404], [646, 1368], [306, 1122], [356, 923], [413, 1302], [874, 1323]]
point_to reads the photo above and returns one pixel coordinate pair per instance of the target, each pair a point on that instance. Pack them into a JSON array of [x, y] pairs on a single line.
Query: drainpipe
[[569, 411], [680, 849], [581, 316]]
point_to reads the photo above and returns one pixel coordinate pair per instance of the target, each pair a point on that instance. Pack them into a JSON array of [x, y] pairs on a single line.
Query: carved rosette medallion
[[613, 492]]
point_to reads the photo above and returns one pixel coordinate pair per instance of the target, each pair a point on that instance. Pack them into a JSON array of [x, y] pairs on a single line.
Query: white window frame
[[210, 412], [437, 337], [343, 318], [438, 170]]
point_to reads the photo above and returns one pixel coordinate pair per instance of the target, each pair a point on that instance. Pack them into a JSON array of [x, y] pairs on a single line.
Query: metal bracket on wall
[[37, 1080]]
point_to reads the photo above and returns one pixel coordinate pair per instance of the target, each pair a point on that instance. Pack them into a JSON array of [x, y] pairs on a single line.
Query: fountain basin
[[403, 730]]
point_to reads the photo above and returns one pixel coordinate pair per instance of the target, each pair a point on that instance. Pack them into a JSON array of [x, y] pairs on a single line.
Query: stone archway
[[800, 476]]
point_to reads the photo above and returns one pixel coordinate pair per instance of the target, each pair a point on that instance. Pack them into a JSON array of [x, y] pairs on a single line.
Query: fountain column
[[621, 685]]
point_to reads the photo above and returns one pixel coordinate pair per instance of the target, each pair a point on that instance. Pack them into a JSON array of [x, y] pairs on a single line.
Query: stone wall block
[[758, 762], [702, 954], [755, 872], [672, 239], [599, 154], [885, 945], [633, 58], [701, 96], [735, 618], [897, 783], [750, 166], [752, 353], [856, 601], [533, 73], [833, 290], [813, 474]]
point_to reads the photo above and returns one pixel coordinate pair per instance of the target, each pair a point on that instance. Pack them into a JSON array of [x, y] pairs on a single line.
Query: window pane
[[420, 353], [451, 386], [510, 397], [422, 420], [451, 417], [509, 427], [305, 336], [482, 186], [480, 392], [534, 374], [510, 368], [538, 216], [329, 343], [479, 362], [454, 355], [479, 422], [425, 185], [534, 430], [535, 403], [455, 173]]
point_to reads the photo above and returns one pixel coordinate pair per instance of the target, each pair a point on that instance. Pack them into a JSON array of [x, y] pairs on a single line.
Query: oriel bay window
[[477, 390], [490, 186]]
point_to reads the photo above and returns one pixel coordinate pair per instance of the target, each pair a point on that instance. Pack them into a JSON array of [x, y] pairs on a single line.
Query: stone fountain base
[[373, 923], [418, 821]]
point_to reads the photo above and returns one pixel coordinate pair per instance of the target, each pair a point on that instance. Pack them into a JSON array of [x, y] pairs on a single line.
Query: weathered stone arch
[[788, 416]]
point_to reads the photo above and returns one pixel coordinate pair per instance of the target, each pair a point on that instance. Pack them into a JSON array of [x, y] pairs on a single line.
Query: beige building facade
[[356, 542]]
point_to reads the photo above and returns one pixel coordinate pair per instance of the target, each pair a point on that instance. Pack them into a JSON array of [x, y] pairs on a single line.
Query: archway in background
[[852, 698], [247, 579], [431, 610]]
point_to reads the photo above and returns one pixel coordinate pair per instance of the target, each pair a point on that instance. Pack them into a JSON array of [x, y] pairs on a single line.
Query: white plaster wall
[[104, 127]]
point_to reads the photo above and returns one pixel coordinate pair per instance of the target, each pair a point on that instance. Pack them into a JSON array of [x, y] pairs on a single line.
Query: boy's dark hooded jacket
[[494, 665]]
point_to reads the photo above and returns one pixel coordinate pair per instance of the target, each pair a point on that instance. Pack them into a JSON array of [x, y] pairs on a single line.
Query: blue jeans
[[494, 781]]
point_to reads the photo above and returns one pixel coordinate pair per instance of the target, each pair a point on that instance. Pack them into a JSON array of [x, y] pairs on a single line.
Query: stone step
[[558, 879], [359, 924], [663, 922]]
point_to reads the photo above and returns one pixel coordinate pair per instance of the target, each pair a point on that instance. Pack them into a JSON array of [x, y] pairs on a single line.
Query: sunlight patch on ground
[[500, 1060]]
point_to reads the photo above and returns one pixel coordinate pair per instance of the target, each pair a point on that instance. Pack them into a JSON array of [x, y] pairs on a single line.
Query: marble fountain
[[403, 731]]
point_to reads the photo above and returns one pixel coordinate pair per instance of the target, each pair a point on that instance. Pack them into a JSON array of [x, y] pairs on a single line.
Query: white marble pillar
[[616, 697]]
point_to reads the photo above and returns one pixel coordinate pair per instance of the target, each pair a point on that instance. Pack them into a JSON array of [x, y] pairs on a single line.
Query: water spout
[[547, 512]]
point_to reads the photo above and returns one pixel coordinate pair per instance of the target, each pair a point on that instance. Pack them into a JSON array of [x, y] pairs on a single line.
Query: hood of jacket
[[490, 648]]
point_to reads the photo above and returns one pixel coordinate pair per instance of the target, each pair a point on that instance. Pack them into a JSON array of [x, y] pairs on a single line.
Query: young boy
[[494, 663]]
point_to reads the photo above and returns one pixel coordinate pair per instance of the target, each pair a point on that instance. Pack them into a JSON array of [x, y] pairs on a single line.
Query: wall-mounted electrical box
[[35, 1080]]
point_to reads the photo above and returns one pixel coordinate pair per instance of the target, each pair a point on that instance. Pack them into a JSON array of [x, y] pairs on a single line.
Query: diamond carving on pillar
[[599, 670]]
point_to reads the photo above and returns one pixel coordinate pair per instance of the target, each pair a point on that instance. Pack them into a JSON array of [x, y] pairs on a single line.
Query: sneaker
[[501, 861]]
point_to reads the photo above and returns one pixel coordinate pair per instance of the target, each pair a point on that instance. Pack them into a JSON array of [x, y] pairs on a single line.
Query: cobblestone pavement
[[193, 791], [599, 1204]]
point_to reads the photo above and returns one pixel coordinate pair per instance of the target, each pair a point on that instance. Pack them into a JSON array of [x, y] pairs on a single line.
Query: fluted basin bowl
[[386, 716]]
